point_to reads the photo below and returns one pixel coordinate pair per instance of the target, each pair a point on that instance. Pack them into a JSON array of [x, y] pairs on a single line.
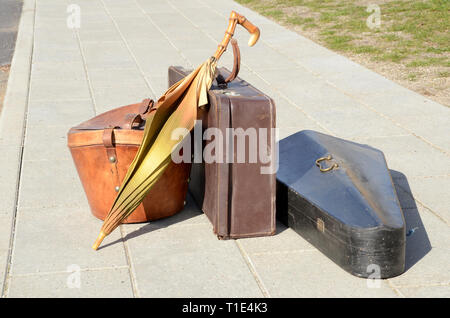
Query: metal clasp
[[231, 93], [329, 157], [320, 224]]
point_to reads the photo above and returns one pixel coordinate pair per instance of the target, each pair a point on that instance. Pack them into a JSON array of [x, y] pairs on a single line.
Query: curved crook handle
[[236, 18], [251, 28]]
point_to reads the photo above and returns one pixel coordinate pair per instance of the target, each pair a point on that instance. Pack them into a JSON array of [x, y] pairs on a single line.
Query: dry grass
[[5, 68], [411, 46], [4, 73]]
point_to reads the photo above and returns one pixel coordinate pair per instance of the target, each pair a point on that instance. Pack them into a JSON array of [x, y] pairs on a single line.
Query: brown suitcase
[[238, 200], [103, 148]]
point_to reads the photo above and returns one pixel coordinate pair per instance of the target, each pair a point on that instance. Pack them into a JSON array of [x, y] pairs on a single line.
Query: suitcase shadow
[[417, 241]]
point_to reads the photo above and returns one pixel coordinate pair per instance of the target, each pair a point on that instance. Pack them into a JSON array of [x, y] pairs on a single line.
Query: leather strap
[[108, 142], [146, 107], [236, 61], [108, 137], [133, 120]]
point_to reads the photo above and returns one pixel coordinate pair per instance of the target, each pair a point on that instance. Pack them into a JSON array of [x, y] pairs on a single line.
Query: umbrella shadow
[[417, 241], [190, 210]]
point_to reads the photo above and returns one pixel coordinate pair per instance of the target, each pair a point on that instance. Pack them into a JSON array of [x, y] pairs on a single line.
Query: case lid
[[349, 181]]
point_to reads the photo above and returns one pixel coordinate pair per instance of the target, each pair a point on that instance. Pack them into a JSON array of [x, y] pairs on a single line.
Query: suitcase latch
[[320, 225], [231, 93]]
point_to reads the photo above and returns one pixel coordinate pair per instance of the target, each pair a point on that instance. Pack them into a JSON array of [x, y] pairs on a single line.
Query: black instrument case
[[339, 196]]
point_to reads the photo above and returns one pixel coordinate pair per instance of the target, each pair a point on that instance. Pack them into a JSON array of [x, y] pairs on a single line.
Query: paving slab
[[94, 283], [311, 274], [359, 123], [110, 77], [96, 36], [5, 237], [107, 55], [58, 71], [433, 128], [158, 84], [433, 193], [61, 113], [57, 55], [442, 291], [48, 240], [50, 40], [432, 269], [283, 242], [51, 90], [97, 22], [409, 155], [54, 136], [154, 7], [40, 188], [166, 55], [110, 97], [9, 161], [289, 115], [186, 258]]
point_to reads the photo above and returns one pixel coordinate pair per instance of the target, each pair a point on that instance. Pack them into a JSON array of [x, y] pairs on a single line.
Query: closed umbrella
[[176, 108]]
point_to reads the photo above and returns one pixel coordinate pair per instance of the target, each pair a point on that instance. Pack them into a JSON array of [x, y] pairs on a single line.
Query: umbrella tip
[[99, 240]]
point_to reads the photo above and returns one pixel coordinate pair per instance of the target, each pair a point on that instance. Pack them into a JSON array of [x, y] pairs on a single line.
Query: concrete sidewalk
[[120, 55]]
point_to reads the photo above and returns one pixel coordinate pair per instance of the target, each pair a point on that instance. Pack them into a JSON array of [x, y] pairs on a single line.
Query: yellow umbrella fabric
[[176, 108]]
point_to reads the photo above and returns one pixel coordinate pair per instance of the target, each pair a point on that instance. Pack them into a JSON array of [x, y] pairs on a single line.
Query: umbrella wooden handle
[[236, 18]]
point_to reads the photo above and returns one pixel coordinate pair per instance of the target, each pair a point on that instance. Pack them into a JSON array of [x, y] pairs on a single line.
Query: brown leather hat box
[[104, 147]]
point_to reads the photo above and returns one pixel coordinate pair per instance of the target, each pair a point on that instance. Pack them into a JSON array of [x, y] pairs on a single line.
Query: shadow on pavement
[[189, 211], [417, 243]]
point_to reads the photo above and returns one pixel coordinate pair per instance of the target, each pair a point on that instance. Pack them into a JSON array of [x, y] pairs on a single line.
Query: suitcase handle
[[235, 19], [329, 157], [236, 66], [236, 61], [133, 120]]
